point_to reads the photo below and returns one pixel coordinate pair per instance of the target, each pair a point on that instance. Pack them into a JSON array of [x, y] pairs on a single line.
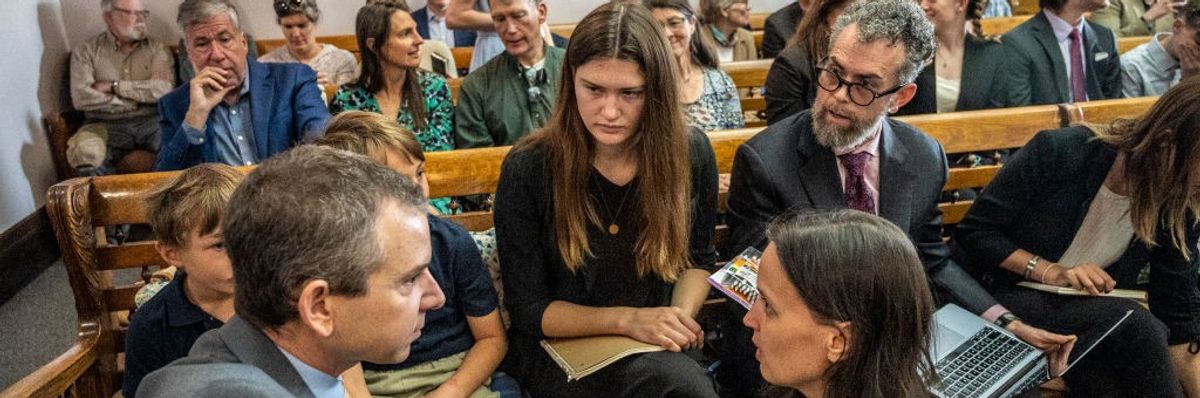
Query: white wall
[[31, 80], [258, 18]]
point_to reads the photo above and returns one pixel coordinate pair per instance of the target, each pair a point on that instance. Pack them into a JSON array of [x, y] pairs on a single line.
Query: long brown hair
[[850, 266], [374, 21], [813, 31], [701, 51], [1162, 150], [659, 143]]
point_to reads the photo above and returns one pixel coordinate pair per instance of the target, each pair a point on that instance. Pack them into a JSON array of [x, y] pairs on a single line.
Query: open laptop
[[976, 358]]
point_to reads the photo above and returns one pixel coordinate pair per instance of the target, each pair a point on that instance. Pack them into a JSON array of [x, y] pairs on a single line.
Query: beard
[[837, 137], [133, 32]]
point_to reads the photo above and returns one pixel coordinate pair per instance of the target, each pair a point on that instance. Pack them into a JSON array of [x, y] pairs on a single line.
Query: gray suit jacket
[[1035, 72], [236, 360], [784, 168]]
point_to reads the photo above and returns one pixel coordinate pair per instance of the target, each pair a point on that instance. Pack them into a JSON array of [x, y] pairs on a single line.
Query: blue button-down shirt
[[320, 383], [233, 130]]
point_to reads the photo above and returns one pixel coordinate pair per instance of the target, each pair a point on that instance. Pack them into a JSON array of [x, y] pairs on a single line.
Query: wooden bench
[[79, 209], [748, 77], [758, 20], [1124, 44], [345, 42], [1001, 25]]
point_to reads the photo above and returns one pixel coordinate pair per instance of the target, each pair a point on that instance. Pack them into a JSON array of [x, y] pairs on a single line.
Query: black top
[[532, 270], [791, 87], [459, 271], [1037, 203], [161, 331], [779, 27], [979, 83]]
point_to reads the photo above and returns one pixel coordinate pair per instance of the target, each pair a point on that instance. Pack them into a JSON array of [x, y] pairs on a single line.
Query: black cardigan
[[1037, 203], [533, 271]]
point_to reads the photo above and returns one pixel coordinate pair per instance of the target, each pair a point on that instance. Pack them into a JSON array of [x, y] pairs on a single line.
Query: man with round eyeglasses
[[847, 153]]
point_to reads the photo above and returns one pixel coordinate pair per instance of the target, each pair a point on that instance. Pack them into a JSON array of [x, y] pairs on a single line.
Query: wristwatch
[[1004, 319]]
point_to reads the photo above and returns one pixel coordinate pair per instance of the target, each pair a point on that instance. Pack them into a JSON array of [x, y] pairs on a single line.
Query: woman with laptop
[[844, 309], [1096, 209]]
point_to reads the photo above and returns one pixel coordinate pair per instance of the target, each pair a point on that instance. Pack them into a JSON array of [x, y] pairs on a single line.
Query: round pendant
[[613, 229]]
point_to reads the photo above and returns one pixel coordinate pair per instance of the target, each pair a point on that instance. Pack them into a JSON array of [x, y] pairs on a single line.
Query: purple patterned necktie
[[1078, 85], [858, 195]]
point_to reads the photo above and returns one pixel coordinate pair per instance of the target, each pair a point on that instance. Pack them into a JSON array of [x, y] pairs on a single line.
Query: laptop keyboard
[[979, 363]]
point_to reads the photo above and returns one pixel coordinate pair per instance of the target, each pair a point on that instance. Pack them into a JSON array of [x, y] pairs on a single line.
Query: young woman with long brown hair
[[1098, 209], [604, 217]]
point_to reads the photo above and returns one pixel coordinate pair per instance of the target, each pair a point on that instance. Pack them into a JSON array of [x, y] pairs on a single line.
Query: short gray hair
[[309, 10], [192, 12], [106, 5], [900, 21], [309, 213]]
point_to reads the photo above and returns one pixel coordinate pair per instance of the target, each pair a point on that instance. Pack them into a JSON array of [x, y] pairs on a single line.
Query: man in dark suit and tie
[[846, 153], [330, 253], [431, 24], [1058, 57]]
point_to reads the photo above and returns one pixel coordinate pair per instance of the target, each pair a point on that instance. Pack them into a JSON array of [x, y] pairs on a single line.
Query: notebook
[[1137, 295], [976, 358], [582, 356]]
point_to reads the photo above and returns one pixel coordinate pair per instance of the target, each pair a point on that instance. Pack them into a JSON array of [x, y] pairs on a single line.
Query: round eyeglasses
[[859, 93]]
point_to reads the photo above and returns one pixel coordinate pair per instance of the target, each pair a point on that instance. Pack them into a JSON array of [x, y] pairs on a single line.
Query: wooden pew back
[[749, 76], [80, 208], [345, 42]]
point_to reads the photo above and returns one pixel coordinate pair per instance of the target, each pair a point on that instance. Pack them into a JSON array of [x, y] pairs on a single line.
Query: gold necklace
[[613, 229]]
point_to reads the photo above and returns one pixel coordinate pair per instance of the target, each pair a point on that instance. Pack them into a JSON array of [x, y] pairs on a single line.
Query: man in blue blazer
[[234, 111], [434, 13], [846, 153], [1038, 67]]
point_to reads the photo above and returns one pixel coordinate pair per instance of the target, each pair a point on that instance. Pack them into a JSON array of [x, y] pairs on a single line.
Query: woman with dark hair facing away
[[392, 84], [710, 98], [844, 309], [298, 20], [791, 84], [1098, 209], [604, 218]]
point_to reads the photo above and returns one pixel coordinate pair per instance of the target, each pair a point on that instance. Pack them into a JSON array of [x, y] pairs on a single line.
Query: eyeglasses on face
[[285, 6], [859, 93], [137, 13]]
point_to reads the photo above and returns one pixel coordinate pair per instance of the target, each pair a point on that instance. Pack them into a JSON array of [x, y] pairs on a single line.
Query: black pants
[[1131, 362], [655, 374], [739, 374]]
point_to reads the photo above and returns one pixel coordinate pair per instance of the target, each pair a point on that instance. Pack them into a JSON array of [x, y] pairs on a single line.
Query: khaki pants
[[420, 379], [102, 143]]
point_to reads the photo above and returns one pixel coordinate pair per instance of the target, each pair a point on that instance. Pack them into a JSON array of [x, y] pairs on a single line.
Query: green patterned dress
[[438, 134]]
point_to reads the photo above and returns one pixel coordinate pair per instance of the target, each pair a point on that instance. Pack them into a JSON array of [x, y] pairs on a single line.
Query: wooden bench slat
[[465, 171], [986, 130], [473, 221], [120, 298], [974, 177], [953, 213], [1001, 25], [129, 255]]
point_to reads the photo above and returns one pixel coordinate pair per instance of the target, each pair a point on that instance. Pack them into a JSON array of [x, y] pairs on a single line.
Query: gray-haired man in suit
[[330, 255]]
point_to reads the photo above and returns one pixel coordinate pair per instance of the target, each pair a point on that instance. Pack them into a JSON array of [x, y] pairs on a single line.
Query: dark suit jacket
[[791, 87], [285, 104], [236, 360], [779, 27], [462, 37], [784, 168], [1036, 73], [980, 79], [1038, 202]]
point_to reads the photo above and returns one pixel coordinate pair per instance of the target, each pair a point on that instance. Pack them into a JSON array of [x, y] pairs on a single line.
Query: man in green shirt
[[514, 93]]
